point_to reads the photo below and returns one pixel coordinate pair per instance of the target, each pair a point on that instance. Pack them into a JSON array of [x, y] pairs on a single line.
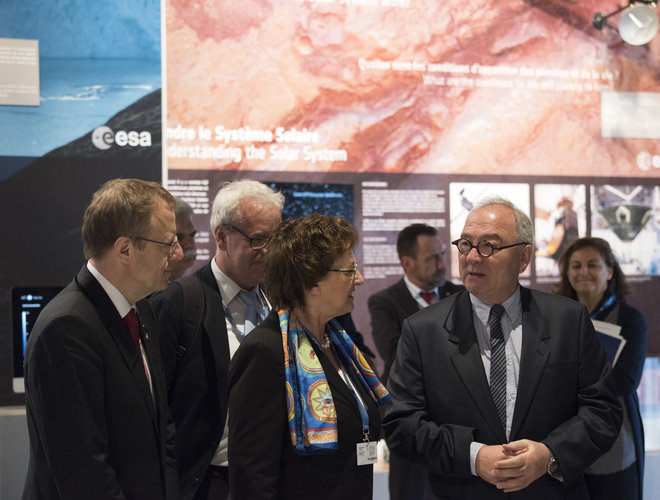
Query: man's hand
[[525, 462], [487, 457]]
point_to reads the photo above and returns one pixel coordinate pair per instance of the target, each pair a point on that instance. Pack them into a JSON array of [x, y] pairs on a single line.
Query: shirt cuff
[[474, 451]]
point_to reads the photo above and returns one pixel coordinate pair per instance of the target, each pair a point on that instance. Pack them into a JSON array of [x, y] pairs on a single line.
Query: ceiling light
[[638, 24]]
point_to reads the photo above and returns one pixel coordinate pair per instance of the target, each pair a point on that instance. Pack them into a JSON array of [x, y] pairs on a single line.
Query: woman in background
[[303, 400], [591, 274]]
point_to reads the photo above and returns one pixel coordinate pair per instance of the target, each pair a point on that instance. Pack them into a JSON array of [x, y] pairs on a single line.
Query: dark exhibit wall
[[98, 117], [385, 111]]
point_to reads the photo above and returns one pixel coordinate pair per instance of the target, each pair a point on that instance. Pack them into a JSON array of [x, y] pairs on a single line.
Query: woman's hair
[[616, 285], [300, 253]]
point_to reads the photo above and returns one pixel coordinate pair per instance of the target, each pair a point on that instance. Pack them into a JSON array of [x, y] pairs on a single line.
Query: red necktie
[[133, 324], [428, 296]]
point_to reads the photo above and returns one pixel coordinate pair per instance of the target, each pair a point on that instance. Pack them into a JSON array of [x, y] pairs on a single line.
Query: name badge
[[367, 453]]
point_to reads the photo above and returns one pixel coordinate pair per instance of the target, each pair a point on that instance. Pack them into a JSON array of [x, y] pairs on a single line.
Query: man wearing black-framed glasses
[[204, 316], [495, 388]]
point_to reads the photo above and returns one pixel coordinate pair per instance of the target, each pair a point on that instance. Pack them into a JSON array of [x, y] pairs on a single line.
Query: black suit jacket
[[442, 400], [197, 389], [388, 309], [96, 431], [262, 463]]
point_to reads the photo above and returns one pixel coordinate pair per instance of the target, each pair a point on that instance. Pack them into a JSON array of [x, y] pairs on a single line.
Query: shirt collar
[[228, 289], [118, 300], [414, 289], [512, 306]]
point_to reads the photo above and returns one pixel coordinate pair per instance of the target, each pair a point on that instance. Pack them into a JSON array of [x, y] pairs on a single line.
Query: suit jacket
[[96, 431], [197, 388], [262, 463], [442, 400], [388, 309]]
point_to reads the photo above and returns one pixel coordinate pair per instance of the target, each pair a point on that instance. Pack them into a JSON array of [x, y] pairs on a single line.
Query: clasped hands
[[512, 466]]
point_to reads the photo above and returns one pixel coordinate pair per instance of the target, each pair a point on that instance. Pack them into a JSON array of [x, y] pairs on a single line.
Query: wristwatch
[[553, 469]]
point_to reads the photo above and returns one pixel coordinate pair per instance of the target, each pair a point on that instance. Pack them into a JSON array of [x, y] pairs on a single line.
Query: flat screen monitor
[[26, 304]]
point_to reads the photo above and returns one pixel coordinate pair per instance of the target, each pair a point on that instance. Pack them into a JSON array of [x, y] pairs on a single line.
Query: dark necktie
[[133, 324], [497, 362], [428, 296]]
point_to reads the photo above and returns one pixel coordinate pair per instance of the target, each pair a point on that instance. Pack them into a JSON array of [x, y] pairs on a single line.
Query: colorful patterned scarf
[[311, 409]]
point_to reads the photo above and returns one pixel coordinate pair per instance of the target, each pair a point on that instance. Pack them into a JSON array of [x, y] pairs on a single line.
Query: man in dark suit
[[244, 215], [96, 404], [501, 389], [422, 258]]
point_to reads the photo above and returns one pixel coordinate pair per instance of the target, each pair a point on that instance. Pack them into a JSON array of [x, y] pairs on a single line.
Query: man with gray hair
[[185, 233], [499, 388], [203, 318]]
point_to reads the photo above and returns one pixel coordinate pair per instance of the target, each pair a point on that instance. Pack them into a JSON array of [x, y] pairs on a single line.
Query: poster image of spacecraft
[[559, 219], [628, 217], [464, 196]]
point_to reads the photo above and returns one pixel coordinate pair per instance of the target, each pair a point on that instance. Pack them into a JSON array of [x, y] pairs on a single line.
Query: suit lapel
[[407, 301], [466, 358], [215, 326], [117, 330], [533, 359], [152, 353]]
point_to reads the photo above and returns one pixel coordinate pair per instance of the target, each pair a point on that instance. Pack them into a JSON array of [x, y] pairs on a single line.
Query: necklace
[[326, 341]]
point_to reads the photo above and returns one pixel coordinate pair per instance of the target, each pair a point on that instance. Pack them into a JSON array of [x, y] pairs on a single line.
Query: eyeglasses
[[350, 271], [172, 244], [484, 248], [256, 242]]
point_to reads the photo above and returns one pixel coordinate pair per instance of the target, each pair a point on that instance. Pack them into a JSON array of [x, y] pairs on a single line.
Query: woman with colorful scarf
[[303, 404], [591, 274]]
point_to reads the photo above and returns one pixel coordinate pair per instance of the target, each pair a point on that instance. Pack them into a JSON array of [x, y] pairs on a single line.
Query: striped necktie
[[497, 361]]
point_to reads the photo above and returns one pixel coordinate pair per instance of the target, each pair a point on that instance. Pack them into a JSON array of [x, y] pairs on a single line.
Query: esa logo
[[103, 137]]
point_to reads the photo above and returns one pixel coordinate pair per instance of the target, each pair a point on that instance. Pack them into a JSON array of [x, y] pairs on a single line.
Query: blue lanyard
[[604, 306], [364, 416]]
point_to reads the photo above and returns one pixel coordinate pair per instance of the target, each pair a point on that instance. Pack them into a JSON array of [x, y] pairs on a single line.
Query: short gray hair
[[226, 206], [182, 207], [524, 226]]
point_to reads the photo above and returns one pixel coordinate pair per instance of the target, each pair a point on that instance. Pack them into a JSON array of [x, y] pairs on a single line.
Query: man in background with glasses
[[96, 402], [422, 257], [501, 389], [185, 233], [203, 318]]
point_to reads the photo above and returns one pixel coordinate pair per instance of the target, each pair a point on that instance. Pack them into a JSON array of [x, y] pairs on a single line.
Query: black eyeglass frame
[[172, 244], [252, 239], [487, 244], [352, 270]]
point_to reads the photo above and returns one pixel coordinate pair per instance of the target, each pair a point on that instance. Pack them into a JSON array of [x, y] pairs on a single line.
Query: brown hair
[[120, 207], [616, 285], [300, 253]]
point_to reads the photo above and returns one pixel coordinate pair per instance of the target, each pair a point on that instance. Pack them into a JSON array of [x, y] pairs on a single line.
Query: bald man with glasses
[[500, 391]]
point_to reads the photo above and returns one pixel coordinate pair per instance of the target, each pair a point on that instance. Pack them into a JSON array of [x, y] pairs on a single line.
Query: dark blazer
[[442, 400], [197, 389], [388, 309], [262, 462], [95, 429], [627, 373]]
